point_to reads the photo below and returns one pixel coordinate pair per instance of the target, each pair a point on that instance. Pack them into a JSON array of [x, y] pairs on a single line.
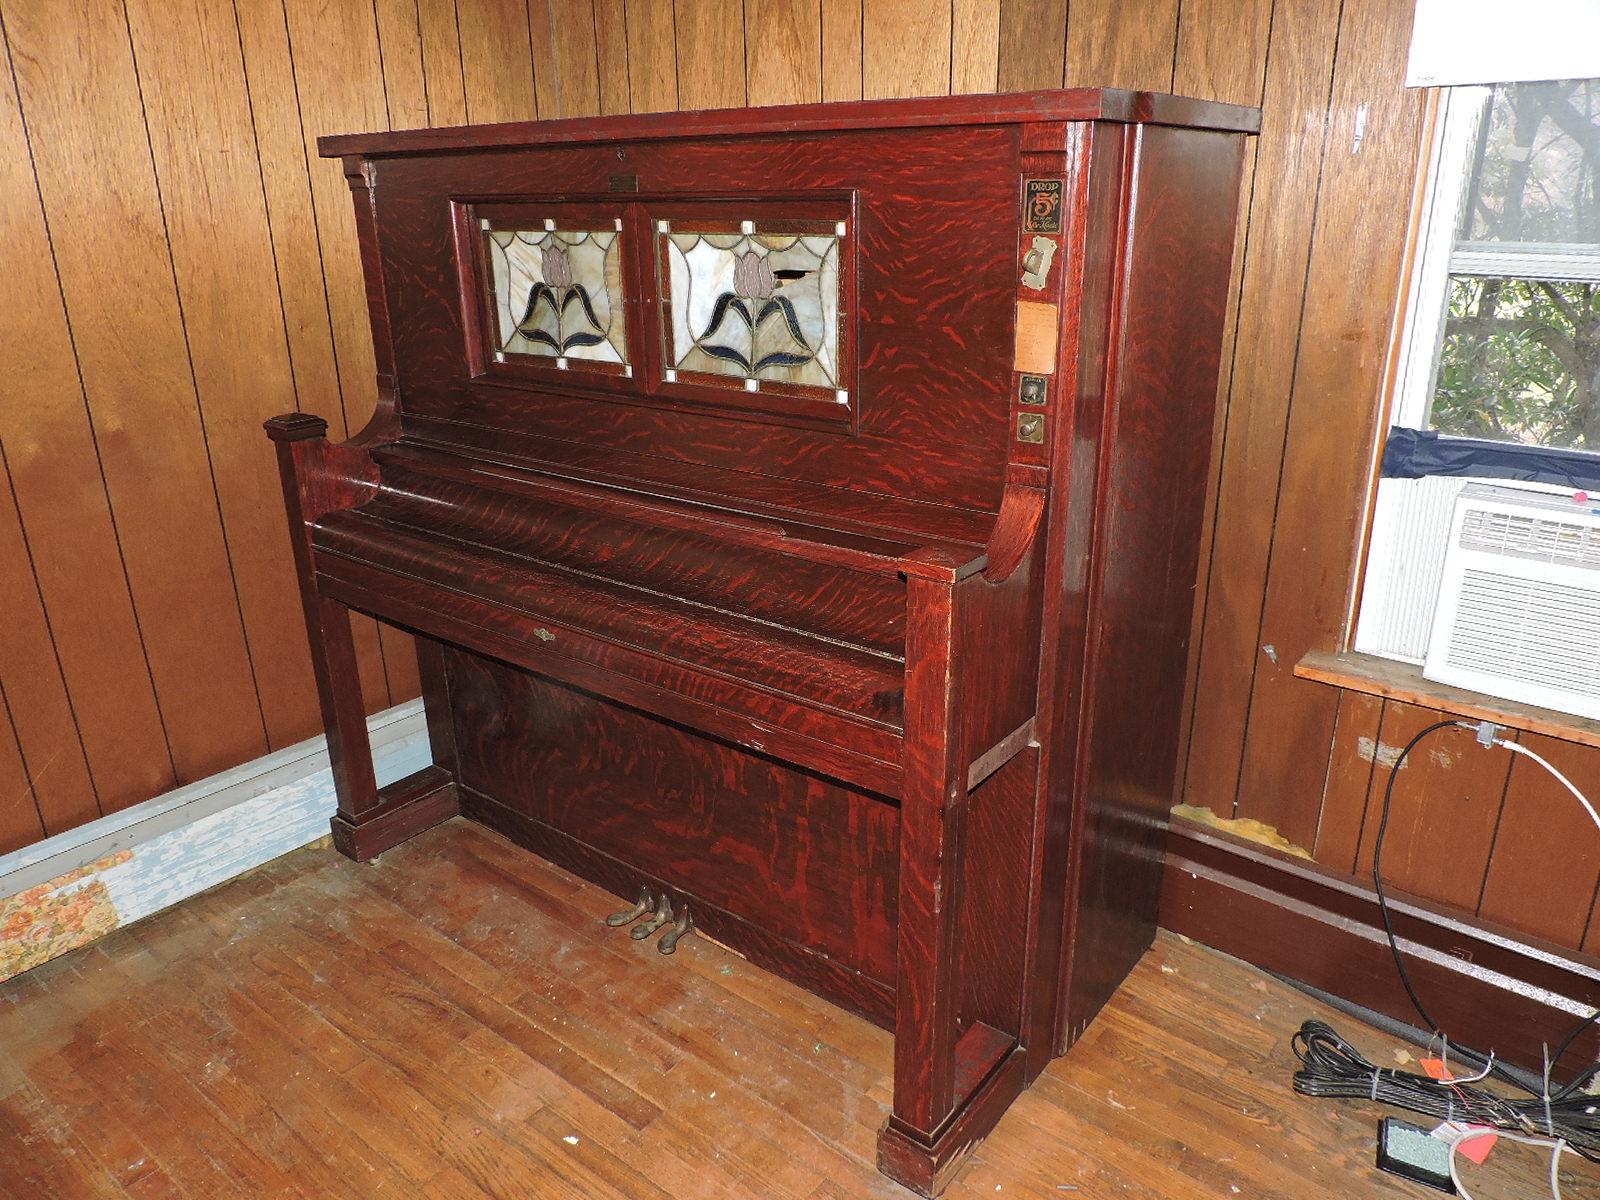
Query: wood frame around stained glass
[[647, 374]]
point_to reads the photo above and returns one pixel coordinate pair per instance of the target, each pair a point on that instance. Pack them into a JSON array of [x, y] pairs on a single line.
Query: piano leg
[[950, 1085], [318, 478], [370, 819]]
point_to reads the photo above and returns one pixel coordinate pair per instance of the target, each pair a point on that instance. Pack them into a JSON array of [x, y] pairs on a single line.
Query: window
[[1502, 336], [1518, 340]]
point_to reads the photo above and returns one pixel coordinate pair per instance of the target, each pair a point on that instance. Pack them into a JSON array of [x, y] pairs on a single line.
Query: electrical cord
[[1388, 923], [1377, 865], [1518, 748], [1331, 1067], [1566, 1118]]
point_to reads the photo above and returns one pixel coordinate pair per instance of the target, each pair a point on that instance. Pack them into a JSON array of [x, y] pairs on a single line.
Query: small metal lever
[[681, 928], [646, 901], [662, 915]]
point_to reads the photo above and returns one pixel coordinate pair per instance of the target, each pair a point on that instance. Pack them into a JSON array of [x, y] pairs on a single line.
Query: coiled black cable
[[1332, 1067]]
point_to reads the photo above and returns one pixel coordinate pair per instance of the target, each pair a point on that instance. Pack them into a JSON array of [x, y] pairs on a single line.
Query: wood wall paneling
[[841, 49], [496, 61], [39, 732], [1111, 43], [611, 56], [783, 51], [1545, 862], [709, 38], [652, 56], [1446, 805], [1222, 49], [303, 292], [440, 34], [1278, 245], [1365, 198], [974, 46], [1033, 44], [400, 43], [20, 820], [197, 109], [1352, 764], [65, 545], [566, 65], [905, 48], [92, 155]]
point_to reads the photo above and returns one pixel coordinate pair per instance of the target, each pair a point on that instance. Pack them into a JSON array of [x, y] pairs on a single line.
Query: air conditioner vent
[[1519, 601], [1541, 539], [1546, 634]]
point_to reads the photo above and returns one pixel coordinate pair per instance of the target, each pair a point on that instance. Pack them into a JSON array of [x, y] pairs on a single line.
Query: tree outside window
[[1519, 349]]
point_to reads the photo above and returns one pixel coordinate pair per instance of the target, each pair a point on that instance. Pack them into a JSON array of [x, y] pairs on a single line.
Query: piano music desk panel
[[797, 510]]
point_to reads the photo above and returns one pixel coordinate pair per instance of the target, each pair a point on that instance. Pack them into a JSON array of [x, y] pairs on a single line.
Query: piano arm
[[971, 679], [320, 477]]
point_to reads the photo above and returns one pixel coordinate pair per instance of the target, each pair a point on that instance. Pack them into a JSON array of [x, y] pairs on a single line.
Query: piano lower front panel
[[797, 872]]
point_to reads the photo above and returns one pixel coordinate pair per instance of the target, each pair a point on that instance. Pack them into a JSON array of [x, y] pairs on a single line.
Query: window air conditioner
[[1519, 605]]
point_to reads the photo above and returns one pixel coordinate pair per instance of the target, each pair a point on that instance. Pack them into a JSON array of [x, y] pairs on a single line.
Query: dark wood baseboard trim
[[849, 989], [1490, 987], [405, 808]]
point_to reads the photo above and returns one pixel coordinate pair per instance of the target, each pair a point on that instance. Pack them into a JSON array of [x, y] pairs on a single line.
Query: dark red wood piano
[[798, 512]]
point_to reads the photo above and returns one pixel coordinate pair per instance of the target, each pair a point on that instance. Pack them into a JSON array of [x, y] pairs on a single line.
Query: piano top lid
[[1070, 104]]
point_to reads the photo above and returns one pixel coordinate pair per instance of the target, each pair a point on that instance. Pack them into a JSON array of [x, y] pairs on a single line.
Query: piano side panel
[[998, 638], [1158, 438], [994, 896], [802, 859], [936, 231]]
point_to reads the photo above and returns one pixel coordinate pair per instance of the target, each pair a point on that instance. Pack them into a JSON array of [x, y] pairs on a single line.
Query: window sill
[[1393, 680]]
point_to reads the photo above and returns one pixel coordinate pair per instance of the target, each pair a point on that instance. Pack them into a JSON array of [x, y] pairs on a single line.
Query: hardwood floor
[[455, 1021]]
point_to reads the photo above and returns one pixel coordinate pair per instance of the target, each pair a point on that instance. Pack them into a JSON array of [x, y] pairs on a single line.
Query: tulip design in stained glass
[[558, 293], [757, 306]]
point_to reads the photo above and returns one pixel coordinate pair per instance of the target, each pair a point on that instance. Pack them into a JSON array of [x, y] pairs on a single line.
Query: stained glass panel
[[558, 293], [760, 306]]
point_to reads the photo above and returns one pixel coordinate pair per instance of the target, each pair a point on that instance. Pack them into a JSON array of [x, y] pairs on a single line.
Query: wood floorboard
[[454, 1021]]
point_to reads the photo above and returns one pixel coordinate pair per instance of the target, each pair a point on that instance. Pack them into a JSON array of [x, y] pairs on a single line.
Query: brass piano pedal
[[681, 928], [662, 915], [646, 902]]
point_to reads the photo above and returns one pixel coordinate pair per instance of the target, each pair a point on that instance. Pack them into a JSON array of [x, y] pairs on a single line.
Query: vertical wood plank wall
[[179, 265]]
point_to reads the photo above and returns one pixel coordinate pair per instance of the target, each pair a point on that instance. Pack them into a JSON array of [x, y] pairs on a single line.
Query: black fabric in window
[[1416, 453]]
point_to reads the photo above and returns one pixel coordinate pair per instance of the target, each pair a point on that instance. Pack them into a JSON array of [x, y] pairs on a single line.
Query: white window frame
[[1405, 548]]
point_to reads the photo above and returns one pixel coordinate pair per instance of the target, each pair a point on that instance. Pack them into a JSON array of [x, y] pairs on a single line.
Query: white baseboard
[[67, 890]]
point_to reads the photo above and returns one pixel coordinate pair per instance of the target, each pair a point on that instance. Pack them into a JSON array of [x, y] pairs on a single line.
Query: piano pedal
[[681, 928], [646, 902], [662, 915]]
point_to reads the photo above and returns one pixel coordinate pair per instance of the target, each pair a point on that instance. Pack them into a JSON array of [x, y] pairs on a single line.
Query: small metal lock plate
[[1033, 389], [1030, 427], [1036, 263]]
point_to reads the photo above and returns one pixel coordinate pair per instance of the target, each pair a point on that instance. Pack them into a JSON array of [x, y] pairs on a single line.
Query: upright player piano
[[798, 510]]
